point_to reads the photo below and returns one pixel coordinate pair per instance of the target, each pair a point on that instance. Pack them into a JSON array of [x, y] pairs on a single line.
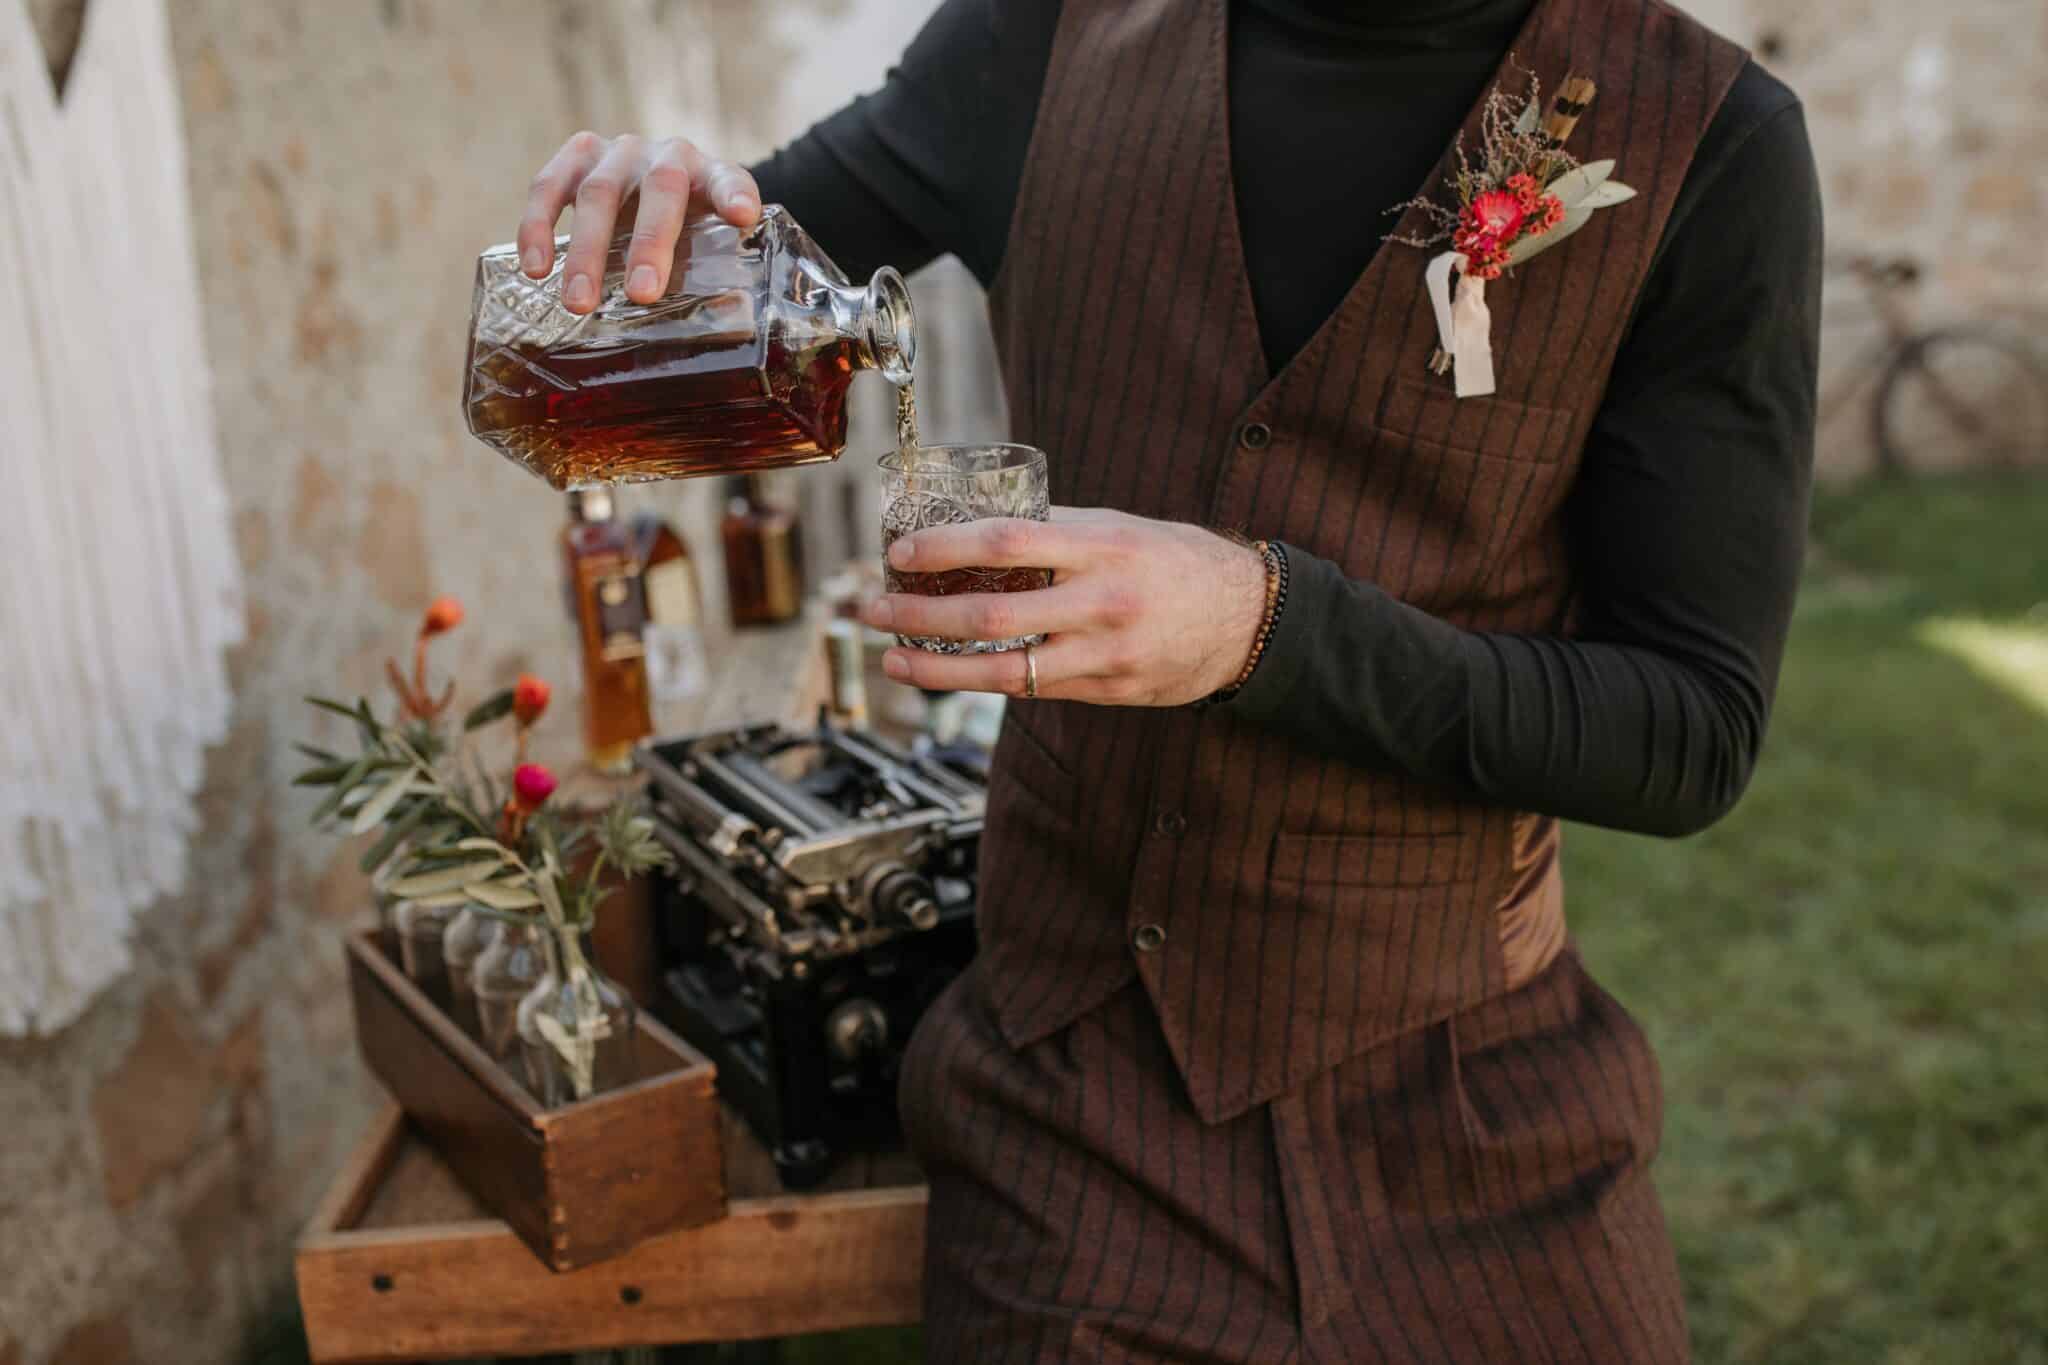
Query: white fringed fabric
[[121, 591]]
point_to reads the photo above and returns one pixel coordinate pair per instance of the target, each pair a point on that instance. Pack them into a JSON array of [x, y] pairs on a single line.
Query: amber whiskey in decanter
[[743, 364]]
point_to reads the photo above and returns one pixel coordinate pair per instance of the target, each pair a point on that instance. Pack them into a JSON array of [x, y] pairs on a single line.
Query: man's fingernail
[[739, 199], [532, 261], [895, 665], [642, 281], [902, 553], [579, 292], [880, 614]]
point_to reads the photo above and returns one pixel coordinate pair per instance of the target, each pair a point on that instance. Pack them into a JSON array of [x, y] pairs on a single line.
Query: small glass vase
[[468, 934], [576, 1026], [420, 930], [504, 975]]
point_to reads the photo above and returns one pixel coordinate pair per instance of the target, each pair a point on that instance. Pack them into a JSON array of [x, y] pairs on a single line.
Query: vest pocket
[[1365, 860], [1458, 495], [1430, 413]]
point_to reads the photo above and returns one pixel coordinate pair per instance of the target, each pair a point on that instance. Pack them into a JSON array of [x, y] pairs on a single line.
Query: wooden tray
[[400, 1263], [576, 1184]]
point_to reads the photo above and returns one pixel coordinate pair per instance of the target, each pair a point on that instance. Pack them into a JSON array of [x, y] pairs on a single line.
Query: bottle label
[[781, 580], [677, 666], [621, 613], [671, 593], [847, 668]]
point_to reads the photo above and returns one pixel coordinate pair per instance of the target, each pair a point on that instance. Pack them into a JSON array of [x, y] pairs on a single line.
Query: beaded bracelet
[[1276, 601]]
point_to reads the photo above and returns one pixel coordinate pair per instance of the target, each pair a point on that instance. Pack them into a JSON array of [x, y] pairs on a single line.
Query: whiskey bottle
[[674, 634], [611, 610], [764, 575]]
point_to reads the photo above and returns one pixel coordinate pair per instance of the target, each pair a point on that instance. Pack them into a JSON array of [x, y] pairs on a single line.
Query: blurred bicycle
[[1969, 394]]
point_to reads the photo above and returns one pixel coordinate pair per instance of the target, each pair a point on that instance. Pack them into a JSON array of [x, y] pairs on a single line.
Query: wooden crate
[[400, 1263], [576, 1184]]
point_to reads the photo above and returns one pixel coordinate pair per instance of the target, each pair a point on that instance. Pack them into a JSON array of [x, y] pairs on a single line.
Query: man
[[1277, 1048]]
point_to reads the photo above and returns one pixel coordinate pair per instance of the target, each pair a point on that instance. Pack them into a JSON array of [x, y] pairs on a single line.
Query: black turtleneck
[[1338, 112], [1688, 516]]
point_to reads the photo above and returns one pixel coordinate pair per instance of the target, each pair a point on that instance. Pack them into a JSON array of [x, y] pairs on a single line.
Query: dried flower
[[1527, 190], [532, 784], [529, 699], [415, 701], [1486, 258], [443, 614], [1497, 214]]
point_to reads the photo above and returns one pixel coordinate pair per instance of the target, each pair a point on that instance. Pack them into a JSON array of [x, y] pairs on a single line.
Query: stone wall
[[1930, 122]]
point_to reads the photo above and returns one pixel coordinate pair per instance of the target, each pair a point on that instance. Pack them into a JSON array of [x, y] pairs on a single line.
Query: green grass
[[1847, 980]]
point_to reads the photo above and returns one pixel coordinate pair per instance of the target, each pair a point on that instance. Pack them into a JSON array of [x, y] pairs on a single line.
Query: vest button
[[1255, 436], [1171, 824], [1150, 938]]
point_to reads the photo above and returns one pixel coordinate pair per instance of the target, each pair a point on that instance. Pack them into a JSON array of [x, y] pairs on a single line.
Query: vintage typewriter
[[823, 896]]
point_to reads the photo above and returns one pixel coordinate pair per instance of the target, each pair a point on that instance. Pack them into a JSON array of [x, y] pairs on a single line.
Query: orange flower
[[529, 699], [443, 614]]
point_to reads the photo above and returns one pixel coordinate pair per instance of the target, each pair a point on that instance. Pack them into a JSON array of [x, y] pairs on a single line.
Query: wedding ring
[[1030, 674]]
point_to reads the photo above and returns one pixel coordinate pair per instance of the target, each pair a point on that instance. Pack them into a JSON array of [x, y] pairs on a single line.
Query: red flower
[[1496, 214], [529, 699], [1490, 264], [1486, 256], [1526, 190], [532, 784], [443, 614], [1553, 211]]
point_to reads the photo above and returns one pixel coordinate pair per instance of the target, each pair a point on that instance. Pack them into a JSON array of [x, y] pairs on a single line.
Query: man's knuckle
[[585, 143], [1120, 605], [993, 619], [599, 189], [667, 177], [1010, 539]]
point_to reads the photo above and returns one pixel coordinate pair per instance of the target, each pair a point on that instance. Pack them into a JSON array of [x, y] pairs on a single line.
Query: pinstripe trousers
[[1475, 1191]]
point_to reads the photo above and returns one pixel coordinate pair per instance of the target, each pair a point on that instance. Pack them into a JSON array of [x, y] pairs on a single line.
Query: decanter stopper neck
[[888, 327]]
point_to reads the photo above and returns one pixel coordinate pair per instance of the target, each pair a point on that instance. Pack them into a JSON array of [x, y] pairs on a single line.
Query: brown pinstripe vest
[[1284, 910]]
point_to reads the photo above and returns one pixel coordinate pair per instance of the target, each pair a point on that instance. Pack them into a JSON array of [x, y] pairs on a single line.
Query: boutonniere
[[1522, 195]]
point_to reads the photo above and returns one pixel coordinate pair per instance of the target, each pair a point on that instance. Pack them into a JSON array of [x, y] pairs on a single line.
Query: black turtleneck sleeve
[[1688, 518]]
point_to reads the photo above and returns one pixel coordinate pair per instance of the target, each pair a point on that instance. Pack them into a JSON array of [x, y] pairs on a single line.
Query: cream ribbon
[[1464, 326]]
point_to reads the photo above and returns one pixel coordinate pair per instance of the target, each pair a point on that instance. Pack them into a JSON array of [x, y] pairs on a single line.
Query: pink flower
[[532, 784], [1498, 214]]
